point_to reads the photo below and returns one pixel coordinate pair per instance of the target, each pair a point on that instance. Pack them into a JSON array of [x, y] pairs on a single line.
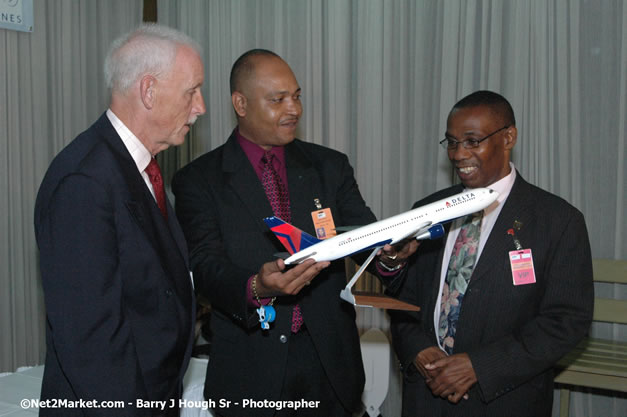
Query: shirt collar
[[138, 151], [505, 184], [255, 152], [503, 187]]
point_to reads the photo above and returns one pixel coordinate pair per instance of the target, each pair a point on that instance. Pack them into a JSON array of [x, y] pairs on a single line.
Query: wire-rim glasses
[[450, 143]]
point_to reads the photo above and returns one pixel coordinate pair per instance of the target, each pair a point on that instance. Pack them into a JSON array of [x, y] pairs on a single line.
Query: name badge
[[521, 262], [323, 223]]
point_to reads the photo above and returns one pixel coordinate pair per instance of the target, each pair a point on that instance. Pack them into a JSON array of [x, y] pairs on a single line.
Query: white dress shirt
[[138, 151], [490, 214]]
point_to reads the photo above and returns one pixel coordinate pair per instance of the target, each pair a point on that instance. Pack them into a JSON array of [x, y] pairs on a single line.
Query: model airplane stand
[[375, 350], [347, 293], [363, 299]]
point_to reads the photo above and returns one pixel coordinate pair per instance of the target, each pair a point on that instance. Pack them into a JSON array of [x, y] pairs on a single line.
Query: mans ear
[[239, 103], [147, 90], [511, 135]]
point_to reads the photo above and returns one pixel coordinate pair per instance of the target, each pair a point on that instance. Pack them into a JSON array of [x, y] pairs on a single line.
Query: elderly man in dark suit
[[114, 263], [311, 349], [504, 295]]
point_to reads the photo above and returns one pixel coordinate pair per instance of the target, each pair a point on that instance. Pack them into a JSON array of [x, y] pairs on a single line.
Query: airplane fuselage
[[414, 223]]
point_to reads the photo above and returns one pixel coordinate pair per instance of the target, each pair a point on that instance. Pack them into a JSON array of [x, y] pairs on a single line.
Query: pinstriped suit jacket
[[513, 334]]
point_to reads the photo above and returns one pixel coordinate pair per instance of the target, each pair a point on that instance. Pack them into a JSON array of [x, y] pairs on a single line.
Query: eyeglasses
[[451, 144]]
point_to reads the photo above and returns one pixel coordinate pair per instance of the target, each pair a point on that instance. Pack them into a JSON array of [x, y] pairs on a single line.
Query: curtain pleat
[[51, 89]]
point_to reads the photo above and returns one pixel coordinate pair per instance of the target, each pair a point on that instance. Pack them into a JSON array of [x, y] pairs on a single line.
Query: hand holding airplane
[[273, 280], [395, 255], [425, 222]]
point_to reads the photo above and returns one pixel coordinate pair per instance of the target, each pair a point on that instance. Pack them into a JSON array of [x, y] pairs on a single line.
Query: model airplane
[[425, 222]]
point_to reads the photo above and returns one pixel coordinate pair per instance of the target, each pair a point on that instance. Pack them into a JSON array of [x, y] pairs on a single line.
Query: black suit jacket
[[221, 204], [513, 334], [118, 293]]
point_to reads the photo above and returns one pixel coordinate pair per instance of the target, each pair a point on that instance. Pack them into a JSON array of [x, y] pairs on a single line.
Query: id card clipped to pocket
[[323, 221], [521, 262]]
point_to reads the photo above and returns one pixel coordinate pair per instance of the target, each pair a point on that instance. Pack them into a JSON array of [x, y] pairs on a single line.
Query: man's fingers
[[454, 398], [436, 364], [423, 371], [411, 248], [280, 263], [274, 279], [385, 249], [451, 376], [441, 389], [457, 390], [302, 275], [461, 391]]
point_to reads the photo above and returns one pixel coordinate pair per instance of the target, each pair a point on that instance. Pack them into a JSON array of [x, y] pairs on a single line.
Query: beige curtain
[[379, 77], [51, 88]]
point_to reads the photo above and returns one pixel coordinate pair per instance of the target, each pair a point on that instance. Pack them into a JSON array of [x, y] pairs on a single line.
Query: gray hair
[[149, 49]]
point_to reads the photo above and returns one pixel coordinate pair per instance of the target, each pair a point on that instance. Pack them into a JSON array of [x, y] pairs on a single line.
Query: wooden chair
[[598, 363]]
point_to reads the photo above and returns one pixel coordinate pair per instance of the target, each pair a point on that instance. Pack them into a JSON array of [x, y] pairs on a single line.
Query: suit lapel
[[495, 252], [145, 211], [302, 185], [139, 204], [177, 232], [493, 264], [242, 180]]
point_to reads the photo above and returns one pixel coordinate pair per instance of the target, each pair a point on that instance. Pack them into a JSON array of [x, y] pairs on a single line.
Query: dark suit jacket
[[117, 288], [221, 204], [513, 334]]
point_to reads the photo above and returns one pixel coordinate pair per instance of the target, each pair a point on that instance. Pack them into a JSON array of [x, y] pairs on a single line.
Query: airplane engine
[[436, 231]]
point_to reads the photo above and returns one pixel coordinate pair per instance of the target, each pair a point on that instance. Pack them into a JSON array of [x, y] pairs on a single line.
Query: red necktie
[[280, 203], [154, 174]]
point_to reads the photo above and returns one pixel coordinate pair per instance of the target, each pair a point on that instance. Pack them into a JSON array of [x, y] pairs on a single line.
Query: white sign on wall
[[16, 15]]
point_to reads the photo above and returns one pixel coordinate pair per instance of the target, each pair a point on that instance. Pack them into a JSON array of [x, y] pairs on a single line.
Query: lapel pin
[[512, 233]]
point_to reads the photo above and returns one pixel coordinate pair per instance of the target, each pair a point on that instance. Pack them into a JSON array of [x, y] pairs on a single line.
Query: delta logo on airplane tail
[[290, 236]]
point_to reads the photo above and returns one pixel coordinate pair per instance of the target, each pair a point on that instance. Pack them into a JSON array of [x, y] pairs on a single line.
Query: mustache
[[192, 120]]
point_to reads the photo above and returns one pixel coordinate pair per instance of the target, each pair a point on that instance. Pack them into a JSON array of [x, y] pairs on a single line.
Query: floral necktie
[[460, 267]]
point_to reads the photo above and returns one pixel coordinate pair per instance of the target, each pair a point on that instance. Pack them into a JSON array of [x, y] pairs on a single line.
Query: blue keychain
[[266, 316]]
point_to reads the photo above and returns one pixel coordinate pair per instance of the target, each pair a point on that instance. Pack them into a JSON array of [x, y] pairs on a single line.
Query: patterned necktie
[[275, 190], [154, 174], [460, 269], [280, 202]]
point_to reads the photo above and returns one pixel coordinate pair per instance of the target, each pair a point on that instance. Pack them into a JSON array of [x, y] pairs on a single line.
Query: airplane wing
[[346, 228], [414, 231]]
